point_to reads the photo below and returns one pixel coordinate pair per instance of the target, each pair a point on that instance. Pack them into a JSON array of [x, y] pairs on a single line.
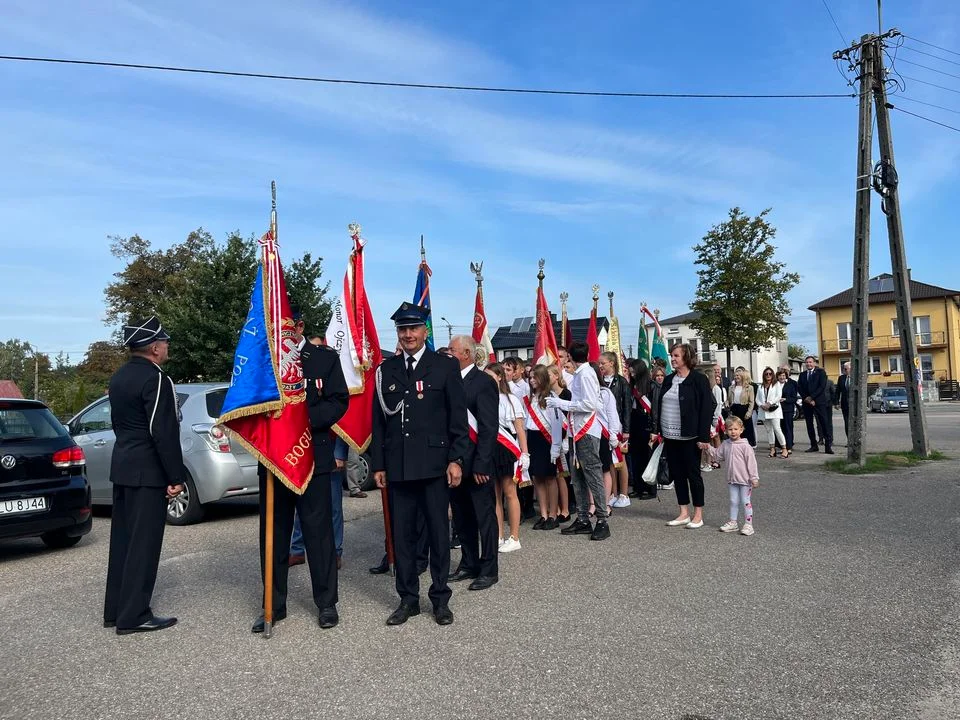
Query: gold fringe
[[277, 473], [346, 438], [272, 406]]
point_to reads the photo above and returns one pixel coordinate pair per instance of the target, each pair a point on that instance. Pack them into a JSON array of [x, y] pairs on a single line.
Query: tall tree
[[742, 288], [22, 363], [795, 350]]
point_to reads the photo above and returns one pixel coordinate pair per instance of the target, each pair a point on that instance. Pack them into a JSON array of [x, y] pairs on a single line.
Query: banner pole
[[387, 527], [268, 561]]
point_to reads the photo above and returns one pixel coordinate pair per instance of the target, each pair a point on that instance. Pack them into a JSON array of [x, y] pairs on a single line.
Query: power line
[[921, 102], [924, 42], [935, 122], [830, 13], [935, 57], [422, 86], [924, 82], [927, 67]]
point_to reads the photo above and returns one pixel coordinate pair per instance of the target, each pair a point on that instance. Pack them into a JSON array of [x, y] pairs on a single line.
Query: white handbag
[[650, 472]]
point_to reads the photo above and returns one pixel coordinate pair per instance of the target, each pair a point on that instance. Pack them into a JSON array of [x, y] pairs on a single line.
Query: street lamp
[[449, 330]]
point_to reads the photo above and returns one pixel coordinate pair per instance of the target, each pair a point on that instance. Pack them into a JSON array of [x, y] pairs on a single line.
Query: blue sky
[[612, 191]]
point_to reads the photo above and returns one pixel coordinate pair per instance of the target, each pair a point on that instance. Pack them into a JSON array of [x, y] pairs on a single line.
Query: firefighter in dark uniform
[[327, 400], [420, 440], [146, 471]]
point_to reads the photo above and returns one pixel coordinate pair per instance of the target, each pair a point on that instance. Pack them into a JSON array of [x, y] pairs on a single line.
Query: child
[[742, 475]]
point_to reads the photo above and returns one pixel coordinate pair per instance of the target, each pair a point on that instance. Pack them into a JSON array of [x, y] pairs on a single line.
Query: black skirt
[[540, 465], [606, 455], [503, 461]]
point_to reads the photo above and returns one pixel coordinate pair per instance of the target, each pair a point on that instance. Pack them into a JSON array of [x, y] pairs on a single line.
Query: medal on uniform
[[318, 383], [392, 388], [419, 389]]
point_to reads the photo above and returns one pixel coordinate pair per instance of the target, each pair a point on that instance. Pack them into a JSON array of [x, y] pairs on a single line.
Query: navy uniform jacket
[[815, 387], [425, 434], [843, 391], [146, 422], [483, 400], [327, 400]]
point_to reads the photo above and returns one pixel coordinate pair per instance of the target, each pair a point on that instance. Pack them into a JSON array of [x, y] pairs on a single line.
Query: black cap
[[410, 315], [140, 333]]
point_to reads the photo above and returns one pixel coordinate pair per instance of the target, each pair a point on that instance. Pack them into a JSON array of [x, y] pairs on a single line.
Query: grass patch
[[882, 462]]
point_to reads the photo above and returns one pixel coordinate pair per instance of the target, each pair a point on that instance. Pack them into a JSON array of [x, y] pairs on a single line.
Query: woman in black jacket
[[639, 445], [686, 413]]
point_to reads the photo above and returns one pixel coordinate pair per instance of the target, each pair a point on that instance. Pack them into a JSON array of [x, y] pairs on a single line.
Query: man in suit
[[146, 471], [474, 500], [789, 395], [420, 440], [327, 399], [816, 403], [843, 397]]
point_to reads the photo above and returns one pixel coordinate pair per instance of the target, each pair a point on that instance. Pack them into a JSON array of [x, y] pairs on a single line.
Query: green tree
[[742, 288], [200, 289], [797, 351], [22, 363]]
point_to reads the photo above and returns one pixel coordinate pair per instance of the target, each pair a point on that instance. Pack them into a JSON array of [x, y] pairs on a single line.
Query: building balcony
[[879, 343]]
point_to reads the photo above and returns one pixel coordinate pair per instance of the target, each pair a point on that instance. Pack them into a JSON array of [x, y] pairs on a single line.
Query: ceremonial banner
[[593, 344], [643, 349], [353, 334], [613, 337], [421, 294], [659, 349], [481, 335], [545, 346], [265, 406], [566, 335]]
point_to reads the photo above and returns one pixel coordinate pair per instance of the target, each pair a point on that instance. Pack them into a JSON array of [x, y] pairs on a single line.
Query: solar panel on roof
[[881, 285]]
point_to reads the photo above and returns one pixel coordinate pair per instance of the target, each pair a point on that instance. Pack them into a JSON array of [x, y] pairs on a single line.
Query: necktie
[[809, 374], [410, 362]]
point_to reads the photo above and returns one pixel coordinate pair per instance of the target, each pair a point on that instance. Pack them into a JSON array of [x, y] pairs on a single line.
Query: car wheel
[[59, 539], [883, 408], [367, 483], [185, 508]]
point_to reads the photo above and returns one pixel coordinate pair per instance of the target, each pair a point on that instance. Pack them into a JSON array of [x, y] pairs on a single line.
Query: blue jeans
[[336, 492]]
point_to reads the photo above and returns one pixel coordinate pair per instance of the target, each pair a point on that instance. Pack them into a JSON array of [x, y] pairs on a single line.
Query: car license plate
[[23, 505]]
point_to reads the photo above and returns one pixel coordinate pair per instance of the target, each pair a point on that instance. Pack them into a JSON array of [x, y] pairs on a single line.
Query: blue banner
[[253, 382], [421, 297]]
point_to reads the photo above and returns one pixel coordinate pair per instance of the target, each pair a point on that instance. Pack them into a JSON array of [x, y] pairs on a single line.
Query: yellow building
[[936, 319]]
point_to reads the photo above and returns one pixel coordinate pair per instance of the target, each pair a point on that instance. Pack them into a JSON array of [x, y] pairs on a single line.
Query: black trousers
[[748, 431], [315, 508], [845, 409], [789, 412], [475, 519], [431, 498], [423, 542], [136, 536], [639, 458], [683, 459], [818, 412]]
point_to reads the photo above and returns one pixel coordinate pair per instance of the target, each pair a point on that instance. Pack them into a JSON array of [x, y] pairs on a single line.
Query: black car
[[43, 485]]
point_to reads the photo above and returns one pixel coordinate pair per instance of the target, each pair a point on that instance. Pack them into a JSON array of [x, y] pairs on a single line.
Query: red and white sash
[[614, 448], [505, 439], [643, 402], [586, 426], [538, 420]]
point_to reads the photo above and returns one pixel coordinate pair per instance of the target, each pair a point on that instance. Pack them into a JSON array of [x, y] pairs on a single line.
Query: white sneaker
[[705, 468], [510, 545], [499, 543], [623, 501], [668, 486], [747, 529], [729, 526]]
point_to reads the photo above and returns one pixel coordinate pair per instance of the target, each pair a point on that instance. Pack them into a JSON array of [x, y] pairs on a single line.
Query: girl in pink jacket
[[742, 475]]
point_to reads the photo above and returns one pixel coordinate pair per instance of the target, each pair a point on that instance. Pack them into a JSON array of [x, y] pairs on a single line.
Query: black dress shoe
[[812, 449], [601, 531], [278, 615], [483, 582], [403, 613], [461, 574], [383, 567], [443, 616], [154, 623], [551, 524], [328, 617], [828, 451], [538, 525], [563, 519], [578, 527]]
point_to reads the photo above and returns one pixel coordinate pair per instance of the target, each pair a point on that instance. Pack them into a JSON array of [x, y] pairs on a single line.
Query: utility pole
[[856, 450], [36, 376], [886, 184], [449, 330]]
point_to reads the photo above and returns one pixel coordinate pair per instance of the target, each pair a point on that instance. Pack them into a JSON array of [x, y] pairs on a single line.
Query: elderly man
[[474, 500], [419, 445], [843, 396]]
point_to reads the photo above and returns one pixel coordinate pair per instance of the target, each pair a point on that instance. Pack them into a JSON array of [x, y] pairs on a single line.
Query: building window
[[895, 327], [895, 365], [926, 365], [873, 365], [843, 336], [869, 329], [702, 349], [922, 326]]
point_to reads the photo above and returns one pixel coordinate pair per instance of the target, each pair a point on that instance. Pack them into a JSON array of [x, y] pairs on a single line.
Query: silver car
[[216, 467]]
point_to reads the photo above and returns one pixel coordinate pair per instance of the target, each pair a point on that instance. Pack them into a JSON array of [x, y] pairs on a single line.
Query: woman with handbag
[[685, 415], [768, 402]]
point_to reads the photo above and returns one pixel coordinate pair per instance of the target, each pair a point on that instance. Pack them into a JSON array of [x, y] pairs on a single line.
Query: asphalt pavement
[[844, 604]]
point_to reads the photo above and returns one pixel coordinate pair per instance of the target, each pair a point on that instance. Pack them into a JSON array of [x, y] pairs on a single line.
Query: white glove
[[554, 456], [553, 402], [565, 445], [524, 461]]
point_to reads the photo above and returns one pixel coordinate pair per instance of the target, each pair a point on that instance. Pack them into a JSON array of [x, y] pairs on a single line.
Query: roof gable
[[881, 291]]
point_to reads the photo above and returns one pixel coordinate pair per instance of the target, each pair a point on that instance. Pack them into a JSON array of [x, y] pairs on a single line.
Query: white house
[[677, 329]]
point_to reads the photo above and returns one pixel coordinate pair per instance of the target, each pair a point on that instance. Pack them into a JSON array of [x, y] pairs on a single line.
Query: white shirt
[[567, 377], [520, 388], [510, 409], [465, 371], [584, 401], [416, 358], [770, 397], [609, 417], [552, 419]]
